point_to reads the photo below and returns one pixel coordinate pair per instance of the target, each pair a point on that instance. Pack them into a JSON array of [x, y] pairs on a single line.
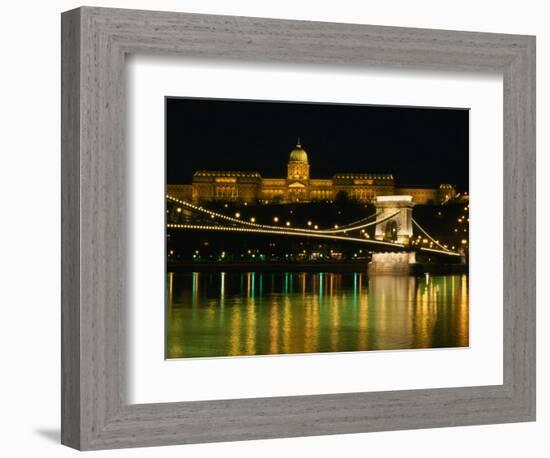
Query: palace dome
[[298, 154]]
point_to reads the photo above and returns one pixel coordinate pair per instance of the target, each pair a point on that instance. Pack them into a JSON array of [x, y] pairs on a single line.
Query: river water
[[258, 313]]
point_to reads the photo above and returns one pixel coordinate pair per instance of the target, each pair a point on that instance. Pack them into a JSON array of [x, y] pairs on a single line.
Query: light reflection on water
[[258, 313]]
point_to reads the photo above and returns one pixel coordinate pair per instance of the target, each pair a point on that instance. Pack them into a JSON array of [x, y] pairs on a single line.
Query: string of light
[[350, 227], [254, 227]]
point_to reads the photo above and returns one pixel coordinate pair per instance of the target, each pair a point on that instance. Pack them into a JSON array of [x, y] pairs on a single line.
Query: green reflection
[[222, 314]]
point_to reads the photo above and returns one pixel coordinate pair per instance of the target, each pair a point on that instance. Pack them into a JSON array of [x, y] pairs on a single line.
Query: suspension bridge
[[393, 227]]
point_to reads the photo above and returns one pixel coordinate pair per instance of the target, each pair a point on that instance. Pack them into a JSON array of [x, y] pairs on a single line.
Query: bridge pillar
[[398, 228], [391, 263]]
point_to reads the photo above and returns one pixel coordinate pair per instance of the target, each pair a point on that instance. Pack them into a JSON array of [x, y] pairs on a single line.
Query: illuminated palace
[[241, 186]]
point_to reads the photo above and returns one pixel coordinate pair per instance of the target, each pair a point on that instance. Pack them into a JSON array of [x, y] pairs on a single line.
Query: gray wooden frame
[[95, 413]]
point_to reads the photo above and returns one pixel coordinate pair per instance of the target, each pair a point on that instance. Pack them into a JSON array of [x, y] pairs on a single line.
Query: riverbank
[[324, 266]]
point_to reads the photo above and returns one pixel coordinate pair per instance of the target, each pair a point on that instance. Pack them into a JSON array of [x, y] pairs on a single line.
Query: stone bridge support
[[391, 263], [399, 227]]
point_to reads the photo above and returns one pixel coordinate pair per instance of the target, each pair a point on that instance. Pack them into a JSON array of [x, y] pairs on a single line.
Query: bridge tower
[[397, 228]]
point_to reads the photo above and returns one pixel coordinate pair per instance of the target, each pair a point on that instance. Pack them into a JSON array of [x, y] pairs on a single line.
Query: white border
[[152, 379]]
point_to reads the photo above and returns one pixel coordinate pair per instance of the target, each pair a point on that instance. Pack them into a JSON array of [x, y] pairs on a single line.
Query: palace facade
[[209, 185]]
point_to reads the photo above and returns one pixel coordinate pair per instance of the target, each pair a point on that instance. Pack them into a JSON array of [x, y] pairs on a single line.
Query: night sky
[[419, 146]]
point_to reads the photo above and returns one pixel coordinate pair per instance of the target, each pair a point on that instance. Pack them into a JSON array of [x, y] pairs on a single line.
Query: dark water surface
[[258, 313]]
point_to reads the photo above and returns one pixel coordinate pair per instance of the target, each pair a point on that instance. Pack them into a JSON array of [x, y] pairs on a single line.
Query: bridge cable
[[349, 227], [429, 236], [282, 231]]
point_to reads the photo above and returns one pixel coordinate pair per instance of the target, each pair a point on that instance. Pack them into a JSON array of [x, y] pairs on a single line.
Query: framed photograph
[[279, 228]]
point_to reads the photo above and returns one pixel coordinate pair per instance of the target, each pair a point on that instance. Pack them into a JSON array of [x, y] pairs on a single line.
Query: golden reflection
[[410, 306], [308, 328], [222, 289], [171, 288], [355, 293], [363, 322], [335, 325], [423, 317], [321, 288], [274, 327], [377, 297], [195, 288], [254, 314], [235, 331], [444, 290], [315, 325], [251, 328], [463, 316], [287, 325]]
